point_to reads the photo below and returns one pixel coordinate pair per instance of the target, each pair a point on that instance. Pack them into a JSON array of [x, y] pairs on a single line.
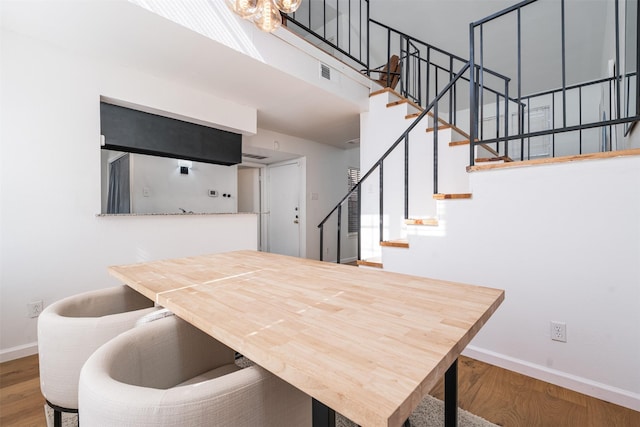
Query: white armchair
[[169, 373], [71, 329]]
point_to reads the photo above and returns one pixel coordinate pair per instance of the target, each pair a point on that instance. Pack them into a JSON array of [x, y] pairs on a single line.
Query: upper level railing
[[551, 122], [345, 29]]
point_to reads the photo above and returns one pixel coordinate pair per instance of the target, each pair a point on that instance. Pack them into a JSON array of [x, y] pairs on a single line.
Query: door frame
[[263, 208], [302, 173]]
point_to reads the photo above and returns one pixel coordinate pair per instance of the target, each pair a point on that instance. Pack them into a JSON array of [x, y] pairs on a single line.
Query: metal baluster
[[324, 18], [435, 148], [580, 116], [339, 225], [321, 240], [481, 83], [564, 73], [520, 82], [337, 23], [472, 96], [428, 72], [359, 223], [381, 201], [506, 117], [349, 26], [618, 73], [553, 124], [451, 91], [406, 177]]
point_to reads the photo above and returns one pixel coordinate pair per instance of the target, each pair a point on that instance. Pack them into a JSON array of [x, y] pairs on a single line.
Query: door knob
[[295, 221]]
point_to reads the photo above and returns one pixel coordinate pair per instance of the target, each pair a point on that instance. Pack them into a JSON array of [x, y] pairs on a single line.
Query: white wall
[[325, 183], [249, 190], [52, 243], [563, 240], [159, 187]]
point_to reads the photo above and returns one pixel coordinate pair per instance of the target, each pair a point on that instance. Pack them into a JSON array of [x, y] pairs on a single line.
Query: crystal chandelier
[[264, 13]]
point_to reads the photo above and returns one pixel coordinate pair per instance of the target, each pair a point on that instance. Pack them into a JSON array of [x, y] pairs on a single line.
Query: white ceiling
[[133, 37]]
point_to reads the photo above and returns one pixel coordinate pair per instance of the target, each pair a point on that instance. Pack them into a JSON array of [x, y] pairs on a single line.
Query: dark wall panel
[[135, 131]]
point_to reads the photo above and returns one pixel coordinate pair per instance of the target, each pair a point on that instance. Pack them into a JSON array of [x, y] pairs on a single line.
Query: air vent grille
[[325, 71]]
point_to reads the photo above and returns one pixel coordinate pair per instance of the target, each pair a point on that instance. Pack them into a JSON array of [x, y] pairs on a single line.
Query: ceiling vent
[[325, 71], [254, 156]]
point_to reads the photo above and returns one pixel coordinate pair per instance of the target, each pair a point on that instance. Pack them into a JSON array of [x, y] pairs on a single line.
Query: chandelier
[[264, 13]]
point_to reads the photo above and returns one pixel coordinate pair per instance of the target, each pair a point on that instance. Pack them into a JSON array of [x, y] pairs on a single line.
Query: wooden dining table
[[368, 344]]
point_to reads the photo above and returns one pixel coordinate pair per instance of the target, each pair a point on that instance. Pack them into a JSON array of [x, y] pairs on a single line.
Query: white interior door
[[284, 208]]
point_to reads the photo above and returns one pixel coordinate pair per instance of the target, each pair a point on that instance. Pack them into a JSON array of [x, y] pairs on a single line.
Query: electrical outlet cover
[[559, 331]]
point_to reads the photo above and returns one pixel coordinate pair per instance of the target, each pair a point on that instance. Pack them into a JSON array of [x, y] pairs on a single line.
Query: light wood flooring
[[500, 396]]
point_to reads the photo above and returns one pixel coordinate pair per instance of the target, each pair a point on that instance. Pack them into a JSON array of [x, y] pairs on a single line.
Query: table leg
[[451, 395], [323, 416]]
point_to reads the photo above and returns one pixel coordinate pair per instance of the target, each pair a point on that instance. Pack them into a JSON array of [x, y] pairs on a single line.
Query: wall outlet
[[559, 331], [34, 308]]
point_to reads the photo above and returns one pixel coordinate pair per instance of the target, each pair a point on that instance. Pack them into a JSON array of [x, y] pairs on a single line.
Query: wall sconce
[[184, 166]]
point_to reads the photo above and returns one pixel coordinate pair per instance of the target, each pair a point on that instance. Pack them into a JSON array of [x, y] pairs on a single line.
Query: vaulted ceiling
[[134, 37]]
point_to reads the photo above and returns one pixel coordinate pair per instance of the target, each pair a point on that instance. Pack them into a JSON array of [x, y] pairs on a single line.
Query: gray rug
[[430, 413], [68, 419]]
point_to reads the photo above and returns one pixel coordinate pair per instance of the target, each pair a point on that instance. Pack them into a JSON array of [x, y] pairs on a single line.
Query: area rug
[[430, 413], [68, 419]]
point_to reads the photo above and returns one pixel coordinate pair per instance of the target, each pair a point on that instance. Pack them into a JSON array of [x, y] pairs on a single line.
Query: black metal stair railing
[[379, 166], [343, 31], [523, 142], [425, 68], [519, 137]]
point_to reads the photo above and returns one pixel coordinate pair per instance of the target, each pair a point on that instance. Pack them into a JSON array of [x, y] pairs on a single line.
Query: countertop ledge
[[100, 215]]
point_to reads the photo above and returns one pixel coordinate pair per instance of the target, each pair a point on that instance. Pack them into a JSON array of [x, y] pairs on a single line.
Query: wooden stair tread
[[373, 262], [458, 143], [381, 91], [490, 159], [553, 160], [441, 196], [421, 221], [398, 243], [442, 127]]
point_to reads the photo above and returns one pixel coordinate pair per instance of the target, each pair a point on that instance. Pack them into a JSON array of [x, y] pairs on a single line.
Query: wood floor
[[502, 397]]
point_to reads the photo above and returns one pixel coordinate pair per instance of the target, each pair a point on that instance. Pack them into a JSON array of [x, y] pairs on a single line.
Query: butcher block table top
[[368, 344]]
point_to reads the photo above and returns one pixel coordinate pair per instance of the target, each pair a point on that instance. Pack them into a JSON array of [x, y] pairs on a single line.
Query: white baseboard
[[18, 352], [591, 388]]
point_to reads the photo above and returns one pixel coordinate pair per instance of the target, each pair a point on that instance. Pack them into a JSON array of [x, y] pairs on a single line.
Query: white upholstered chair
[[71, 329], [168, 373]]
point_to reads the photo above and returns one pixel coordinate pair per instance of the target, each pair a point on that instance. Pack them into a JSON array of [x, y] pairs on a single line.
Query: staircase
[[389, 115], [559, 239], [410, 183]]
